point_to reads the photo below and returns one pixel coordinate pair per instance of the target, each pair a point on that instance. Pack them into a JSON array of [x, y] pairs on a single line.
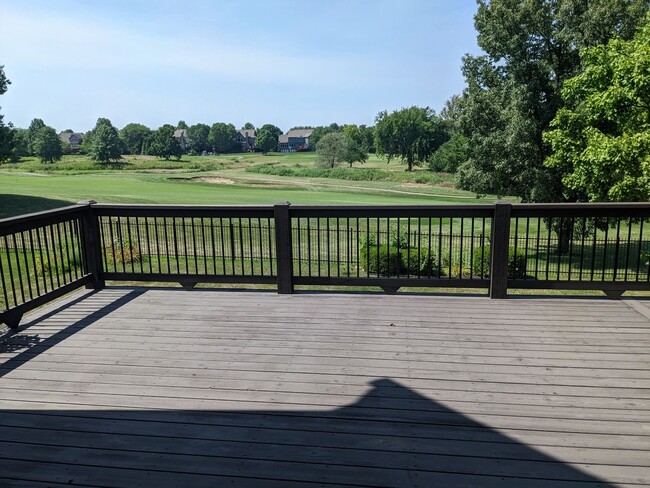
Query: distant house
[[183, 139], [295, 140], [72, 139], [246, 137]]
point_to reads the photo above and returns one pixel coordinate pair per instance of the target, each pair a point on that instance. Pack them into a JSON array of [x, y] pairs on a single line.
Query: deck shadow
[[391, 436], [30, 345]]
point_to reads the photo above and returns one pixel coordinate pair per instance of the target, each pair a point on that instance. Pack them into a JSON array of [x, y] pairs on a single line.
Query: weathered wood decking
[[166, 388]]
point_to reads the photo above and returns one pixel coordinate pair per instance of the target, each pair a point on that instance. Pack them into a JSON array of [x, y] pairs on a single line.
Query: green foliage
[[513, 90], [392, 260], [267, 138], [516, 263], [34, 126], [222, 138], [47, 145], [411, 134], [450, 155], [248, 126], [134, 136], [21, 143], [7, 143], [123, 251], [62, 259], [198, 135], [357, 144], [164, 145], [181, 125], [104, 143], [601, 139], [332, 149]]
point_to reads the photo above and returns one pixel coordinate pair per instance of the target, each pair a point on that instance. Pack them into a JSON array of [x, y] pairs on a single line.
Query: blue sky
[[288, 63]]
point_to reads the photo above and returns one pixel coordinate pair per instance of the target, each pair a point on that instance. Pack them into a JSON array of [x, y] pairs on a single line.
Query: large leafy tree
[[198, 135], [267, 138], [332, 149], [222, 137], [410, 134], [103, 143], [47, 145], [164, 145], [513, 92], [134, 137], [601, 139], [357, 144], [6, 133], [34, 127]]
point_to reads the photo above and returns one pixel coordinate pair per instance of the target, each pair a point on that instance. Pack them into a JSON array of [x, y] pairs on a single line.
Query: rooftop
[[167, 387]]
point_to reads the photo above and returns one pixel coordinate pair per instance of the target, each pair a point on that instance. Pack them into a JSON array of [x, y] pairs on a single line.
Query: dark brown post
[[499, 250], [92, 247], [284, 255]]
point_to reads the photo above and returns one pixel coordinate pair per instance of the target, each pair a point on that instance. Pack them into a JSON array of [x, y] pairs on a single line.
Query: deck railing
[[495, 246]]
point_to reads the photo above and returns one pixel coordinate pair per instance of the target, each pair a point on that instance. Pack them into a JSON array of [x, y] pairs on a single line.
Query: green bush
[[516, 263], [387, 257], [393, 260], [123, 251], [51, 262]]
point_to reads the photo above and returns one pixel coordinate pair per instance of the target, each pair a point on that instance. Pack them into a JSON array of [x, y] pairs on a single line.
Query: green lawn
[[31, 186]]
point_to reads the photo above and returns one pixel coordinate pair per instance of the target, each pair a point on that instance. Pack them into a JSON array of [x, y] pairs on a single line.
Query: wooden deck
[[170, 388]]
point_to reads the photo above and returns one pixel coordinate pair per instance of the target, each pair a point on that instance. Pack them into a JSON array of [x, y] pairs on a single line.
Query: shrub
[[424, 265], [516, 263], [387, 257], [51, 262], [123, 251]]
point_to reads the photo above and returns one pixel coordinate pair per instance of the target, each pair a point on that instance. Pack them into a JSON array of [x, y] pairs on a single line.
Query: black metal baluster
[[338, 249], [582, 247], [26, 261], [462, 231], [130, 245], [638, 258], [605, 247], [11, 273], [39, 232], [593, 251], [617, 248], [318, 244], [309, 257], [539, 229], [147, 237], [194, 248], [223, 246], [627, 252], [5, 288], [261, 253], [67, 251], [18, 268], [329, 249], [214, 249], [139, 239], [241, 248], [451, 244], [571, 233], [271, 239], [439, 247], [33, 252], [549, 230], [250, 246], [56, 264]]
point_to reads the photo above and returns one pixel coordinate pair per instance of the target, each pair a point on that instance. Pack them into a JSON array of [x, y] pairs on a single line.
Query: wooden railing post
[[284, 255], [92, 247], [499, 250]]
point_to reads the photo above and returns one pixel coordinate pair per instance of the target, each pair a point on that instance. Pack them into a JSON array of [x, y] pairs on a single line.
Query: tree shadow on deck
[[391, 436]]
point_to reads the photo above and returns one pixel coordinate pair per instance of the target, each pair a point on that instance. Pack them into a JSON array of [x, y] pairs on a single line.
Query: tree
[[21, 143], [47, 145], [198, 135], [451, 155], [411, 134], [34, 126], [332, 149], [134, 137], [267, 138], [513, 91], [164, 145], [601, 138], [222, 137], [248, 126], [103, 143], [6, 133], [181, 125], [319, 133], [356, 144]]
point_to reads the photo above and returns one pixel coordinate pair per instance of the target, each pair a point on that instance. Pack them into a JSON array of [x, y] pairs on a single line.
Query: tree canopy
[[267, 138], [513, 92], [164, 145], [601, 138], [410, 134], [6, 133], [222, 137], [47, 145], [332, 149], [103, 143], [134, 136], [357, 148], [198, 134]]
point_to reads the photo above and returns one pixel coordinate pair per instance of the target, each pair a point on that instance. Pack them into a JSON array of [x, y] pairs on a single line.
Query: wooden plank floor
[[170, 388]]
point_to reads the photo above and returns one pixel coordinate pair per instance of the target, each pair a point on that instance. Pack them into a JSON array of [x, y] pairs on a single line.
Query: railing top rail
[[600, 209], [139, 210], [32, 220], [471, 210]]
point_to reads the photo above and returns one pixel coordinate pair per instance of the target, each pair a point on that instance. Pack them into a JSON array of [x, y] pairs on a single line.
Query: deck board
[[158, 387]]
